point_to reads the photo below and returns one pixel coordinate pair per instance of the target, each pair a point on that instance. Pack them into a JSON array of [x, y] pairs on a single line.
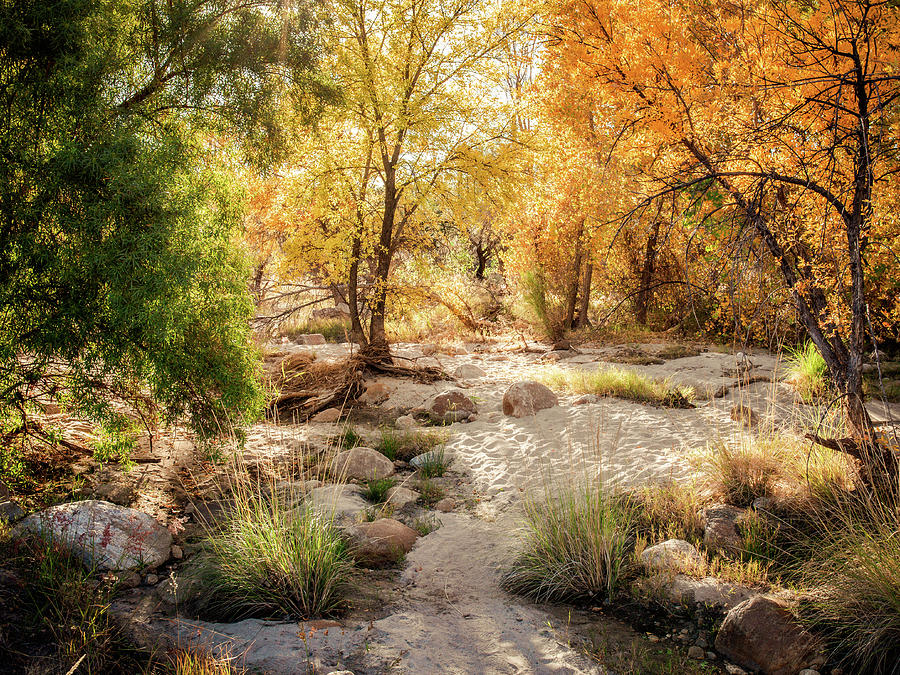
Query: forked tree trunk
[[582, 319], [572, 295], [645, 293]]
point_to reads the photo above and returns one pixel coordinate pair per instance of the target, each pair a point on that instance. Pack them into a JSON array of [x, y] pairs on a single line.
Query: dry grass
[[618, 383]]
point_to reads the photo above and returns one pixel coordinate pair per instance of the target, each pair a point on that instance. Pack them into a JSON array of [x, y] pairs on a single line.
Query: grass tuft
[[577, 546], [619, 383], [430, 493], [807, 372], [377, 488], [405, 445], [434, 464]]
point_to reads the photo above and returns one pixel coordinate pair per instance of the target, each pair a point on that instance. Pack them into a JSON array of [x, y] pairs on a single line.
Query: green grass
[[271, 560], [430, 493], [853, 577], [347, 438], [426, 525], [405, 445], [434, 464], [807, 372], [668, 511], [618, 383], [376, 489], [576, 546]]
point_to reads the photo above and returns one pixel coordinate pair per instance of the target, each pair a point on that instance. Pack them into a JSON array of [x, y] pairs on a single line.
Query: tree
[[788, 112], [419, 106], [118, 270]]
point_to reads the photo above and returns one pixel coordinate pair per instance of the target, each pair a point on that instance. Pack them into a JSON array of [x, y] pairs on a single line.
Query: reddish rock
[[526, 398], [381, 542]]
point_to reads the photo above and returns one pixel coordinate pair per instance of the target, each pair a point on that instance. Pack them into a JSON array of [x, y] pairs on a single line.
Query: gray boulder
[[672, 555], [524, 399], [103, 535], [468, 371], [361, 463], [340, 503]]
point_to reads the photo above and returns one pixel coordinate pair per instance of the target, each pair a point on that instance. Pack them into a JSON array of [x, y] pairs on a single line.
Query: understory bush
[[577, 546], [807, 372], [618, 383]]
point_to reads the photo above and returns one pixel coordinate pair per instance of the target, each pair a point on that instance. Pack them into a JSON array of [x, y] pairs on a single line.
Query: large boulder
[[340, 503], [720, 528], [381, 542], [672, 555], [311, 339], [707, 592], [450, 406], [760, 634], [468, 371], [103, 535], [400, 496], [525, 398], [361, 463]]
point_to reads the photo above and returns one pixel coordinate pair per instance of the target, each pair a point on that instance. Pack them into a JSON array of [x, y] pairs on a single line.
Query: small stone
[[586, 399], [712, 656], [468, 371], [10, 512], [382, 541], [129, 579], [808, 671], [311, 339], [176, 552], [732, 669], [720, 524], [701, 642], [375, 393], [405, 422], [151, 580], [695, 652], [445, 505], [327, 415], [400, 496]]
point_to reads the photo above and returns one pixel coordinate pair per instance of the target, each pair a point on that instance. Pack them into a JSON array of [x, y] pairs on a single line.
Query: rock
[[104, 536], [468, 371], [10, 512], [311, 339], [115, 491], [720, 523], [526, 398], [708, 592], [445, 505], [405, 422], [429, 349], [457, 350], [176, 553], [151, 580], [327, 415], [361, 463], [341, 672], [745, 415], [672, 554], [400, 496], [129, 579], [4, 491], [340, 503], [760, 634], [562, 345], [695, 652], [380, 542], [732, 669], [375, 393], [450, 406], [586, 399], [808, 671]]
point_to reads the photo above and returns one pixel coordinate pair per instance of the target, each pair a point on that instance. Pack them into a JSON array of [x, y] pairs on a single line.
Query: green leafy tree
[[119, 277]]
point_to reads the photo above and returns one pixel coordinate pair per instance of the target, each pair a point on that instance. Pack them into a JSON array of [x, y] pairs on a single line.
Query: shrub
[[333, 330], [806, 371], [271, 560], [619, 383], [668, 511], [377, 488], [742, 472], [576, 546], [854, 574]]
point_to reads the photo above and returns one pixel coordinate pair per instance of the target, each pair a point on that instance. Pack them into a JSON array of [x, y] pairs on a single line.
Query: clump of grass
[[271, 560], [670, 352], [668, 511], [619, 383], [405, 445], [377, 488], [202, 662], [434, 464], [854, 574], [333, 330], [430, 493], [348, 438], [742, 472], [806, 371], [577, 546], [426, 525], [65, 609]]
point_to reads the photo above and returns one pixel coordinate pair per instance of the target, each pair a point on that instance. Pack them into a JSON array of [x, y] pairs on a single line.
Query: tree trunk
[[572, 296], [645, 293], [582, 319], [378, 348], [357, 334]]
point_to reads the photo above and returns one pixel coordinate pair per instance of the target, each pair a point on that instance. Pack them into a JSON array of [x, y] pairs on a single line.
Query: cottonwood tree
[[118, 273], [420, 105], [788, 112]]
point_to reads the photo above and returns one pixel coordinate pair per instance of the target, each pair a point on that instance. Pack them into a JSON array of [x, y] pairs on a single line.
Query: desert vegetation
[[324, 323]]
